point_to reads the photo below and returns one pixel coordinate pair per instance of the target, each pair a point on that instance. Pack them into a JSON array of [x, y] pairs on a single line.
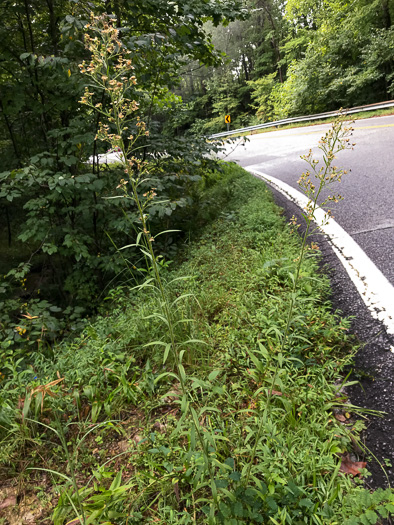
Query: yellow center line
[[372, 127], [355, 128], [319, 131]]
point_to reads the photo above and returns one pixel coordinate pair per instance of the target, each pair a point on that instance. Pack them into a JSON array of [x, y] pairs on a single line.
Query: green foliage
[[242, 271], [262, 95], [219, 406], [308, 58], [64, 217], [368, 508]]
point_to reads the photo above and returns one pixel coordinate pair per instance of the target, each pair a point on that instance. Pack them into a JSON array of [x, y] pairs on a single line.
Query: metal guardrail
[[358, 109]]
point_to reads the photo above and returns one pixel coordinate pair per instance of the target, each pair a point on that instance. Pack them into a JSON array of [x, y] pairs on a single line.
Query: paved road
[[367, 211], [367, 214]]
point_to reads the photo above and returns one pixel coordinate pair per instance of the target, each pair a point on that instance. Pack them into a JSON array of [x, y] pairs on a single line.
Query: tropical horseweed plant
[[324, 172], [111, 69]]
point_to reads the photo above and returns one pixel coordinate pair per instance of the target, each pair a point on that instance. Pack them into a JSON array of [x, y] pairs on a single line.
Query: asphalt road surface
[[367, 214], [367, 211]]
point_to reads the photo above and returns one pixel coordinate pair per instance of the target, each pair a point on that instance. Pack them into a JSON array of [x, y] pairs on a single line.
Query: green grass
[[148, 462]]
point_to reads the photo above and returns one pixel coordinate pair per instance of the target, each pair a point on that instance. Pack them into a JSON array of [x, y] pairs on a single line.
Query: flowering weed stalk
[[110, 70], [322, 173]]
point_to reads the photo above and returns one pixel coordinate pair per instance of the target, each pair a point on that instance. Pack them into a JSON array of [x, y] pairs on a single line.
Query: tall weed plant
[[110, 70]]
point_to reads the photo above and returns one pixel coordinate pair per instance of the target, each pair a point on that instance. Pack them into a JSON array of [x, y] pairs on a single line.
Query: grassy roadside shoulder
[[105, 412]]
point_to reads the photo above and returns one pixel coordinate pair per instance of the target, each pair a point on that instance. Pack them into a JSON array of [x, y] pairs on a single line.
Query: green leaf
[[235, 476], [213, 375], [188, 341], [371, 516], [155, 343], [225, 510], [259, 365], [352, 521], [230, 462], [271, 502], [305, 502], [221, 483], [116, 482], [166, 231], [166, 374], [166, 352], [182, 373], [168, 466], [238, 509], [383, 512], [185, 406], [147, 254], [218, 390]]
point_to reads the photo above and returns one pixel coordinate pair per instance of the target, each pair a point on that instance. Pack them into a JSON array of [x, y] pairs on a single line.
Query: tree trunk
[[245, 67], [11, 133], [53, 27]]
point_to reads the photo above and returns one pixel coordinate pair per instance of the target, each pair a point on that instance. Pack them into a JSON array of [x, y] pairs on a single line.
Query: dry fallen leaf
[[137, 439], [46, 389], [159, 426], [123, 446], [350, 467], [8, 502], [340, 417], [30, 317]]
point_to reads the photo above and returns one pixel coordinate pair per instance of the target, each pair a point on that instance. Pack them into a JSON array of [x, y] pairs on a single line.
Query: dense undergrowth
[[103, 416]]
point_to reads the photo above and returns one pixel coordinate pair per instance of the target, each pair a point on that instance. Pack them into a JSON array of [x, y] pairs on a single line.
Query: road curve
[[367, 211]]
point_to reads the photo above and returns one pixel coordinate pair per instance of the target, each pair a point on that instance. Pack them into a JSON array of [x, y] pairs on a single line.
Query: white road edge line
[[375, 290]]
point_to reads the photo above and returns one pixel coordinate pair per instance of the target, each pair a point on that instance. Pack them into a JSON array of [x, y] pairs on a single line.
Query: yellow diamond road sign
[[227, 119]]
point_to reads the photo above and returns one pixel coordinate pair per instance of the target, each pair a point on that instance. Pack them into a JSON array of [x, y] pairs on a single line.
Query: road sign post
[[227, 120]]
